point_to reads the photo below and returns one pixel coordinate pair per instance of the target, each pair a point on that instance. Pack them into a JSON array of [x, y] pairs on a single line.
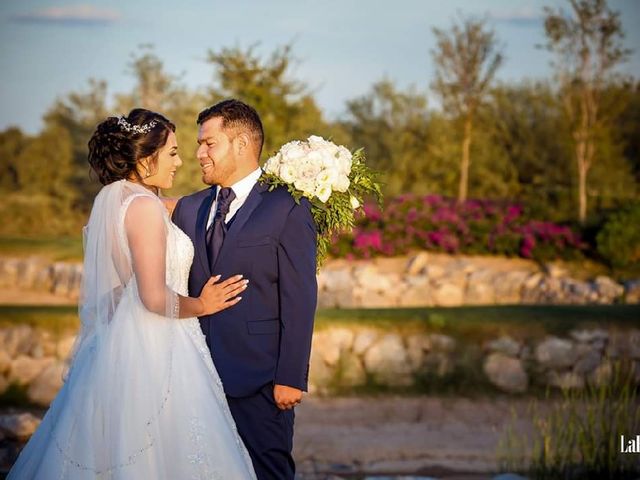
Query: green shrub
[[619, 239]]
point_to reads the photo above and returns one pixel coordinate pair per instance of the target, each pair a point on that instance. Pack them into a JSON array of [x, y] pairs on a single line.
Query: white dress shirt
[[241, 188]]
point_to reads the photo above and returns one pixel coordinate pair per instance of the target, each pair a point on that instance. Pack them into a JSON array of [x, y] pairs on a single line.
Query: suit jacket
[[266, 337]]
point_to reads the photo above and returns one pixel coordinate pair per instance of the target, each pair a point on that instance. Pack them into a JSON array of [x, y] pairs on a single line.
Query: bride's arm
[[147, 237]]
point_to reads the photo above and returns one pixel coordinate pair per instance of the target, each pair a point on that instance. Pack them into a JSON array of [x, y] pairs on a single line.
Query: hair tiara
[[128, 127]]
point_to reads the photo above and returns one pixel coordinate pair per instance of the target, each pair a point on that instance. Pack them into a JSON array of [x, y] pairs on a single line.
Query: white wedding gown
[[142, 398]]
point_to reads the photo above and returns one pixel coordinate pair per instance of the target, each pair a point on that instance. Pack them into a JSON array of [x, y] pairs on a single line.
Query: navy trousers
[[267, 432]]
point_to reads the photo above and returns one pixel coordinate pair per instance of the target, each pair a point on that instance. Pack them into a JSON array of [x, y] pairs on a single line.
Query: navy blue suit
[[266, 338]]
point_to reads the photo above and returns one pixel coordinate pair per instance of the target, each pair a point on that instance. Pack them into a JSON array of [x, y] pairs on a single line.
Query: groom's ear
[[244, 142]]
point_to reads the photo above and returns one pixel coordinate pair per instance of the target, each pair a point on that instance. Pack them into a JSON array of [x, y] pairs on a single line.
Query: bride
[[142, 398]]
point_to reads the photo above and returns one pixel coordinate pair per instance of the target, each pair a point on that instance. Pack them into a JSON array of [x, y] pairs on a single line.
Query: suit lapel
[[201, 229], [250, 204]]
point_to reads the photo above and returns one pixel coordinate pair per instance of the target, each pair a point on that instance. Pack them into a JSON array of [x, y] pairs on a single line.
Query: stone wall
[[346, 358], [423, 279], [40, 275]]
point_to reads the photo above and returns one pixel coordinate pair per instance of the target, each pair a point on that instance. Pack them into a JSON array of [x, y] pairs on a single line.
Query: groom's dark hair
[[236, 115]]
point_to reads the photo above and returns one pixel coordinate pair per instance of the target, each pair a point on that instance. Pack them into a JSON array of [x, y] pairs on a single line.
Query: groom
[[261, 345]]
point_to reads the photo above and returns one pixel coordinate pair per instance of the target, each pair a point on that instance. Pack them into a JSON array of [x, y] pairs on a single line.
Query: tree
[[392, 127], [467, 58], [526, 122], [155, 89], [588, 46], [12, 143], [78, 114], [286, 107]]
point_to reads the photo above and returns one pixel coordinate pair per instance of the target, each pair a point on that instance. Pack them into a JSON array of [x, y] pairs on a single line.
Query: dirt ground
[[437, 436]]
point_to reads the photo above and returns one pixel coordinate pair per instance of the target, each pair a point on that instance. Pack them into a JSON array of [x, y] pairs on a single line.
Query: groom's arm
[[298, 296]]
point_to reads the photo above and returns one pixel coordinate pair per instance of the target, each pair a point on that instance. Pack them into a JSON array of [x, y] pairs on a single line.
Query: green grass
[[54, 318], [466, 321], [482, 322], [56, 248]]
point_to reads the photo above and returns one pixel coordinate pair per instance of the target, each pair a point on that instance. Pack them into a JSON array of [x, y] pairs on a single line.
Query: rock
[[323, 349], [415, 296], [555, 271], [505, 345], [577, 291], [624, 343], [48, 344], [601, 375], [19, 426], [65, 347], [587, 336], [18, 340], [417, 345], [363, 340], [633, 343], [632, 291], [479, 290], [4, 384], [441, 342], [45, 386], [608, 288], [447, 295], [24, 369], [5, 361], [378, 299], [347, 298], [434, 272], [416, 265], [369, 278], [555, 353], [388, 362], [320, 375], [508, 287], [438, 362], [506, 372], [587, 363], [352, 372], [338, 280], [533, 281], [565, 380]]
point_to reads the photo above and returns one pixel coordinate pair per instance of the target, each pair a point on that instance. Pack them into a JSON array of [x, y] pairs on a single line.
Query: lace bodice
[[180, 253]]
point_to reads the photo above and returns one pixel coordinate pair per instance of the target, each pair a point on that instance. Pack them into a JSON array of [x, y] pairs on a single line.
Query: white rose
[[354, 202], [308, 170], [293, 151], [323, 192], [341, 183], [306, 185], [287, 173], [272, 166], [314, 157], [326, 177], [344, 160], [315, 140], [329, 160]]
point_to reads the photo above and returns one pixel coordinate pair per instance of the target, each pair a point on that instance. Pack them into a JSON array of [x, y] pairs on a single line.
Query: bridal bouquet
[[334, 180]]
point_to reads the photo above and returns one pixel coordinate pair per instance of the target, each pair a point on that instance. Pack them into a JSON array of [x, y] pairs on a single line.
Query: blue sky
[[50, 48]]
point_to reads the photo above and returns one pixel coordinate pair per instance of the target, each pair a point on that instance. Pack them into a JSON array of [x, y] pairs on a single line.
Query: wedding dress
[[142, 398]]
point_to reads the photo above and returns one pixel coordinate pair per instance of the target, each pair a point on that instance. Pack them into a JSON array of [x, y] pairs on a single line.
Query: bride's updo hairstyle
[[119, 143]]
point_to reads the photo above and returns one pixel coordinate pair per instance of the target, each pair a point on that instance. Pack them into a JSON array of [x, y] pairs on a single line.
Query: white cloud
[[70, 15], [525, 15]]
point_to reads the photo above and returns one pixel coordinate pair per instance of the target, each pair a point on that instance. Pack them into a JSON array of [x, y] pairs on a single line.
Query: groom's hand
[[286, 397]]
